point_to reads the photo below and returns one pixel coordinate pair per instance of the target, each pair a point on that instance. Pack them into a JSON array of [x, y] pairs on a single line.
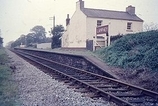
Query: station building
[[81, 28]]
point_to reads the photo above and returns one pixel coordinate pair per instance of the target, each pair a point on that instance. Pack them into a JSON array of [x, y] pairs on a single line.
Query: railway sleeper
[[128, 95], [80, 76], [151, 100], [65, 80], [74, 87], [87, 79], [90, 81], [82, 90], [91, 95], [55, 76], [115, 90], [70, 83], [142, 100], [107, 86], [97, 83], [137, 101]]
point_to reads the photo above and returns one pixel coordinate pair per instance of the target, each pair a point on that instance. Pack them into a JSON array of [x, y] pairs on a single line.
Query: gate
[[89, 45], [102, 38]]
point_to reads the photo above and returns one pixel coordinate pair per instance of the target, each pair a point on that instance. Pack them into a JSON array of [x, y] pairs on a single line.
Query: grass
[[135, 51], [7, 85]]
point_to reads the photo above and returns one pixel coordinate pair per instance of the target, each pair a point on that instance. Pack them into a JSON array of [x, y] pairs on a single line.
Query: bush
[[114, 38], [133, 51], [151, 60]]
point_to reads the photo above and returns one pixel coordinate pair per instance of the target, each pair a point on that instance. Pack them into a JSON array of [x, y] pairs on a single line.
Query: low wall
[[44, 46]]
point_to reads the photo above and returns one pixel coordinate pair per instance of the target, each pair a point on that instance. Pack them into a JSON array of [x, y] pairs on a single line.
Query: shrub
[[133, 51]]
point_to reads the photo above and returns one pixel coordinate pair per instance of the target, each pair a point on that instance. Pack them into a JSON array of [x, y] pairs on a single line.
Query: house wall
[[22, 46], [65, 38], [82, 28], [75, 34], [115, 26]]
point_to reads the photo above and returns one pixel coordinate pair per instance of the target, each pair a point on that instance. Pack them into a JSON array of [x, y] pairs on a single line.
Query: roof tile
[[99, 13]]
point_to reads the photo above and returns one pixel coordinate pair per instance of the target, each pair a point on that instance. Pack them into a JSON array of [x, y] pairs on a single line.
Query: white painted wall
[[76, 31], [65, 38], [22, 46], [115, 26]]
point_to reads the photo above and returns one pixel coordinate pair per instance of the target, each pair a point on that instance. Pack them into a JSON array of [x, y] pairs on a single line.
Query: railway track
[[110, 89]]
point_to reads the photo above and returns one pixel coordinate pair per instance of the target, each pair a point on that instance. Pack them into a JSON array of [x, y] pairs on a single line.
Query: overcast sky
[[17, 17]]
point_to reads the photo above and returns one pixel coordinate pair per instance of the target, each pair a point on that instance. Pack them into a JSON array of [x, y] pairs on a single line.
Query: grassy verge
[[135, 51], [7, 85]]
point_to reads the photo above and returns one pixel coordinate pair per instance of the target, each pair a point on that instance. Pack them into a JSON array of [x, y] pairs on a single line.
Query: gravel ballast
[[35, 88]]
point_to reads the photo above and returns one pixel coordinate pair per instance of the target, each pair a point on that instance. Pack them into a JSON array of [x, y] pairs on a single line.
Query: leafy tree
[[29, 39], [9, 44], [57, 33], [16, 43], [1, 41], [39, 34], [22, 39], [48, 40], [19, 41]]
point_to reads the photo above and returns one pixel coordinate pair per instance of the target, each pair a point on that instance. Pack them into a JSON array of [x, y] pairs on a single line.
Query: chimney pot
[[131, 10], [67, 20], [80, 5]]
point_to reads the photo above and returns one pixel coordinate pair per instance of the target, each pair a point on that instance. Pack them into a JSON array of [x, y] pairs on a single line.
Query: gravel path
[[36, 88]]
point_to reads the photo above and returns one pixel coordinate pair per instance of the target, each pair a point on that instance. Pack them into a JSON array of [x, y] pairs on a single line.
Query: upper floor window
[[99, 22], [129, 26]]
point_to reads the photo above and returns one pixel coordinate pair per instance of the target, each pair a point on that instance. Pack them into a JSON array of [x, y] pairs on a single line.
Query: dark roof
[[99, 13]]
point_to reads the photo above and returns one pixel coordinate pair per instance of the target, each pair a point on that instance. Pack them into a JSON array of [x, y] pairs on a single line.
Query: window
[[129, 25], [99, 22]]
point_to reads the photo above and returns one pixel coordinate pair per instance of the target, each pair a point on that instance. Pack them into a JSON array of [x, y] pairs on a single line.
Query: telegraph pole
[[52, 20], [52, 23]]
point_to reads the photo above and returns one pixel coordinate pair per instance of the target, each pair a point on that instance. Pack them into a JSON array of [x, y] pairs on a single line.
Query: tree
[[29, 39], [16, 43], [22, 39], [151, 26], [9, 44], [48, 40], [19, 41], [57, 33], [39, 34], [1, 42]]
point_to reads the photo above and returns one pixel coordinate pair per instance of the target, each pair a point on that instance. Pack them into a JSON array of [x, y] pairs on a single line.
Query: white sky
[[17, 17]]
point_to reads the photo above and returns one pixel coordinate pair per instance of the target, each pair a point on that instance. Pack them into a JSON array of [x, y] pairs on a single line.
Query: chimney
[[67, 20], [79, 5], [131, 10]]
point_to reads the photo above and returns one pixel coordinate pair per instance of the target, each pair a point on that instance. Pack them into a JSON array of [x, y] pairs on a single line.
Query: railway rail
[[123, 94]]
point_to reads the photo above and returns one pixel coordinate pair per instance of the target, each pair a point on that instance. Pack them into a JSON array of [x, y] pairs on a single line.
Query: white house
[[82, 25]]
